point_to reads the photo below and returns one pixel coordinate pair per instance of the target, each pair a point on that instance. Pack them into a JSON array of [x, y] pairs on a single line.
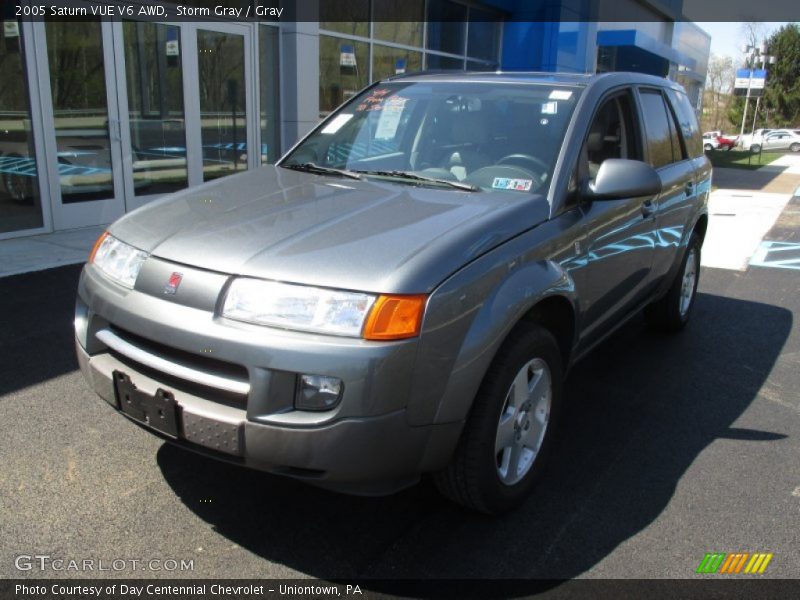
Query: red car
[[716, 140]]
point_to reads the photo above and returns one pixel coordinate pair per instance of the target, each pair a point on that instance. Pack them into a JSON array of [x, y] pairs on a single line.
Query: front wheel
[[508, 435], [708, 147], [672, 312], [755, 148], [795, 147]]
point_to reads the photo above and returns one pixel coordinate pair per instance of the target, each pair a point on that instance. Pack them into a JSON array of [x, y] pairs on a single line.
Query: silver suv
[[405, 291]]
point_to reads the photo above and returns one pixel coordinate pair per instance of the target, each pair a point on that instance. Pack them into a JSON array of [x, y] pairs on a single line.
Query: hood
[[373, 236]]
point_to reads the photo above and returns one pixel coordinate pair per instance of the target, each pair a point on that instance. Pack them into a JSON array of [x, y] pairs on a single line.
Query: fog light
[[318, 392]]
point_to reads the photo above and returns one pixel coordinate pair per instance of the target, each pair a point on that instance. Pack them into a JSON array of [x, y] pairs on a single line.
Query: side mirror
[[622, 178]]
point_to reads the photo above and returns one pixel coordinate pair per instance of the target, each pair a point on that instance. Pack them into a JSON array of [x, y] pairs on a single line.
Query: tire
[[708, 147], [672, 312], [755, 148], [795, 147], [482, 474]]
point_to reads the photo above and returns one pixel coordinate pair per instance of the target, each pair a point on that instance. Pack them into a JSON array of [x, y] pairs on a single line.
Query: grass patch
[[737, 159]]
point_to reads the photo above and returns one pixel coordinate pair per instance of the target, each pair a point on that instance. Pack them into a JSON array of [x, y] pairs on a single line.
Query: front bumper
[[363, 445]]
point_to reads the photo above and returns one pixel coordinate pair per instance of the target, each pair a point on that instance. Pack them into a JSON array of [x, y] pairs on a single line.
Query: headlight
[[118, 260], [304, 308], [297, 307]]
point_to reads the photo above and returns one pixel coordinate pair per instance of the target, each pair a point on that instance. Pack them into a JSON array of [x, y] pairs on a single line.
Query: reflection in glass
[[345, 16], [399, 21], [387, 61], [223, 107], [436, 61], [20, 202], [343, 71], [484, 35], [155, 106], [446, 26], [269, 93], [80, 109]]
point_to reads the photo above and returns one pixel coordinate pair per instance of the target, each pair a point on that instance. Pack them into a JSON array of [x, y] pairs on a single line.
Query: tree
[[781, 102], [719, 81]]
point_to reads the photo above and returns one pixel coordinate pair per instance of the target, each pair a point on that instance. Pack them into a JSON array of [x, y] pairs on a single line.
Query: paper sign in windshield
[[519, 185], [337, 123]]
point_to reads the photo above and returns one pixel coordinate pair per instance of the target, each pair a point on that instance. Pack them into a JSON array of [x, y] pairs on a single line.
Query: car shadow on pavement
[[746, 179], [640, 409], [36, 320]]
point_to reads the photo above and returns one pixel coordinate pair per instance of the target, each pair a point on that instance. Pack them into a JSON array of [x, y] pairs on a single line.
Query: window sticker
[[374, 101], [337, 123], [549, 108], [560, 95], [519, 185], [390, 118]]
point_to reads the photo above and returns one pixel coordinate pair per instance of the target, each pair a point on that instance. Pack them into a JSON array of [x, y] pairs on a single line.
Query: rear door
[[667, 153]]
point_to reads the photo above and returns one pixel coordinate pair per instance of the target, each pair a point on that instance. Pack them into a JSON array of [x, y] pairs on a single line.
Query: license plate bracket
[[159, 411]]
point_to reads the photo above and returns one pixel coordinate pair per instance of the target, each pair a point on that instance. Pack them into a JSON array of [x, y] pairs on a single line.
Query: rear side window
[[657, 126], [687, 122]]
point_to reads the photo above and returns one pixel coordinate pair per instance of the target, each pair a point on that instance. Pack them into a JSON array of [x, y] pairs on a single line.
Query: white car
[[778, 139]]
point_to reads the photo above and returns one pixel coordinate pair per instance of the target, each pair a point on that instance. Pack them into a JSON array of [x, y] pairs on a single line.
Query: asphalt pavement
[[671, 446]]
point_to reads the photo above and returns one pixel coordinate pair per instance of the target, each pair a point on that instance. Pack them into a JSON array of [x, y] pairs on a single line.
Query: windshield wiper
[[310, 167], [414, 177]]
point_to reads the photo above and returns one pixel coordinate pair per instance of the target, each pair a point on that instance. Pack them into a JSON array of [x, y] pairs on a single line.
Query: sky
[[728, 37]]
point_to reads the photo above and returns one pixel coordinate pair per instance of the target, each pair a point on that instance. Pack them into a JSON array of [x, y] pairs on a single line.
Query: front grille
[[197, 362]]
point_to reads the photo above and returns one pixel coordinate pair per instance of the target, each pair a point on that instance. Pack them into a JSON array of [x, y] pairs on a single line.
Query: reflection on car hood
[[297, 227]]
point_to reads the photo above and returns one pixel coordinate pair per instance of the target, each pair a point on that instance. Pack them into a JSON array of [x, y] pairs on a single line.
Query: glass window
[[436, 61], [499, 137], [677, 148], [687, 121], [343, 71], [388, 61], [446, 26], [484, 35], [657, 127], [350, 17], [155, 107], [399, 21], [474, 65], [269, 93], [20, 202], [612, 133], [80, 109], [223, 106]]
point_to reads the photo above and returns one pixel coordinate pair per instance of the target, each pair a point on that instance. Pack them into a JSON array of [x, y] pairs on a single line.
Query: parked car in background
[[404, 292], [716, 140], [747, 140], [778, 139]]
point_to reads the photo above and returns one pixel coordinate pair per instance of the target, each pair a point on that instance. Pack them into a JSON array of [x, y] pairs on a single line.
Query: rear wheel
[[795, 147], [507, 437], [672, 312], [755, 148]]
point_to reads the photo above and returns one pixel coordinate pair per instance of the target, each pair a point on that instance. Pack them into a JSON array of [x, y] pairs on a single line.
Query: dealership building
[[98, 117]]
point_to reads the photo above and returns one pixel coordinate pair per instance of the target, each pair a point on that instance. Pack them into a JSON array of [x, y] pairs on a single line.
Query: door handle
[[648, 208], [689, 188]]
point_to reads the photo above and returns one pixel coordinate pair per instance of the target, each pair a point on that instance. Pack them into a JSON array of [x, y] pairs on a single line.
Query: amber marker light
[[395, 317], [99, 241]]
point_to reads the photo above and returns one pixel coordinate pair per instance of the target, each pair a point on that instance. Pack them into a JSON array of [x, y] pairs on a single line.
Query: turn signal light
[[97, 245], [395, 317]]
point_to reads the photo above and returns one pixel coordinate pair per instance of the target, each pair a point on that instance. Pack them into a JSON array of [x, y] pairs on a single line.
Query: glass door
[[80, 114], [222, 121], [150, 81]]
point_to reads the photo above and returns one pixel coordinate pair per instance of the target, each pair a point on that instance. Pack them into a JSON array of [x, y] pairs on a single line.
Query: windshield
[[498, 137]]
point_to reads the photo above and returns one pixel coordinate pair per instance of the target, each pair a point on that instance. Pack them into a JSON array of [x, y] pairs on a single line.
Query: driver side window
[[612, 134]]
